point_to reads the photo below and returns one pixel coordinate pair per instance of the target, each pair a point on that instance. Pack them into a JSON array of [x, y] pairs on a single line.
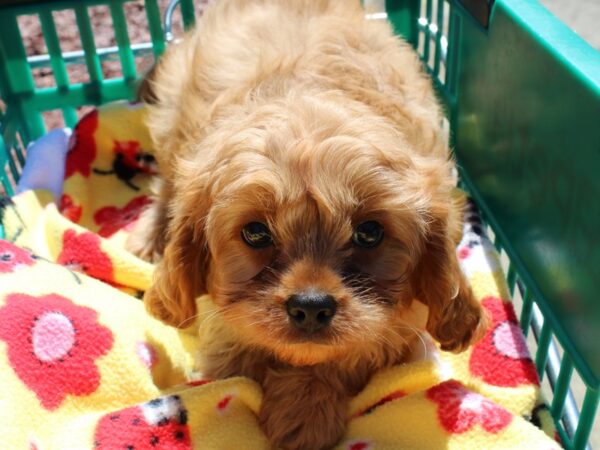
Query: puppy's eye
[[257, 235], [368, 234]]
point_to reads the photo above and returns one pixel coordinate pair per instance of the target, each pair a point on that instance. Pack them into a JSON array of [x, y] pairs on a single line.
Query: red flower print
[[82, 253], [459, 409], [53, 344], [13, 258], [111, 219], [224, 403], [69, 209], [198, 382], [358, 445], [388, 398], [501, 358], [82, 151], [159, 423]]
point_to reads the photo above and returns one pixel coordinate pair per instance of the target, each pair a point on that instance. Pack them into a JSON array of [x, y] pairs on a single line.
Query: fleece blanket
[[83, 366]]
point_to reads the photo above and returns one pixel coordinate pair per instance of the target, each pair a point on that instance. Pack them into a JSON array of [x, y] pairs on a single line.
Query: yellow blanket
[[83, 366]]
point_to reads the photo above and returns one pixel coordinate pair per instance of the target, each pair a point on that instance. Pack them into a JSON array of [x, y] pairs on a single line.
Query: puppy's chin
[[324, 337], [289, 345], [308, 353]]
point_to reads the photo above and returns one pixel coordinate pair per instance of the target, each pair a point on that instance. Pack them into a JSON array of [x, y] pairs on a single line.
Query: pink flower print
[[459, 409], [53, 345]]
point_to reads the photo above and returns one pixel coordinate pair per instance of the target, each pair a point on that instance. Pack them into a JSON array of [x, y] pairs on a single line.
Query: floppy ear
[[179, 278], [456, 319], [145, 90]]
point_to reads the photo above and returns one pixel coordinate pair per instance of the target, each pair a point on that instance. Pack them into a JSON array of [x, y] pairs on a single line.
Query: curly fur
[[302, 115]]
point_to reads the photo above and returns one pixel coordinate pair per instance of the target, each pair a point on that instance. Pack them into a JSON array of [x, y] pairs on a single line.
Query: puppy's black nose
[[311, 311]]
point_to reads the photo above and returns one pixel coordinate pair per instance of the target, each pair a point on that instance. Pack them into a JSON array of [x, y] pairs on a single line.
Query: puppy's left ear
[[456, 319], [179, 277]]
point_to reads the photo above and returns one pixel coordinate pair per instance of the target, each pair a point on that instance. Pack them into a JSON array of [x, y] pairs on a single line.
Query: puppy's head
[[314, 227]]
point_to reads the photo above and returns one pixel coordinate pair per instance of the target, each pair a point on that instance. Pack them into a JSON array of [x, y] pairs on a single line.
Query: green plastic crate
[[522, 95]]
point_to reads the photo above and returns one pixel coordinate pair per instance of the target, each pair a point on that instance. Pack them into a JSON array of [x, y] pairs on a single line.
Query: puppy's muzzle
[[310, 311]]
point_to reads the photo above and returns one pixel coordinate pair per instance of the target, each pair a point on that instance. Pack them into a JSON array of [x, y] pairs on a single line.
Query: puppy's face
[[313, 229]]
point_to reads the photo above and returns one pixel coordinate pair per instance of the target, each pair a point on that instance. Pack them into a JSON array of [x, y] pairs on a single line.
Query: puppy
[[306, 186]]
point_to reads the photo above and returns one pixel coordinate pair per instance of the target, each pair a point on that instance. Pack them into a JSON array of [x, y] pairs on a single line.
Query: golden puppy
[[306, 187]]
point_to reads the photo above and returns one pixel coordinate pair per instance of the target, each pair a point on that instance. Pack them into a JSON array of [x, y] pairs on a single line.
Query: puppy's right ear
[[179, 278], [145, 91]]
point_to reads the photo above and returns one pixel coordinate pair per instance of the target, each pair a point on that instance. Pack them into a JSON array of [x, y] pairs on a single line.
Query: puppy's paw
[[309, 430], [142, 247], [464, 321], [146, 240], [300, 412]]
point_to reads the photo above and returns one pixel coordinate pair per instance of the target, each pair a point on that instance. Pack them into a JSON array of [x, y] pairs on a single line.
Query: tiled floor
[[583, 16]]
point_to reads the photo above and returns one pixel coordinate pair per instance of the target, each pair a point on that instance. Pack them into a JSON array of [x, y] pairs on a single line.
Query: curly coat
[[302, 115]]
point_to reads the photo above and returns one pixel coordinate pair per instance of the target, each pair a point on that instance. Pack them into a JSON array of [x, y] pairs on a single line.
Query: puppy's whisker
[[214, 313], [188, 319], [419, 335]]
